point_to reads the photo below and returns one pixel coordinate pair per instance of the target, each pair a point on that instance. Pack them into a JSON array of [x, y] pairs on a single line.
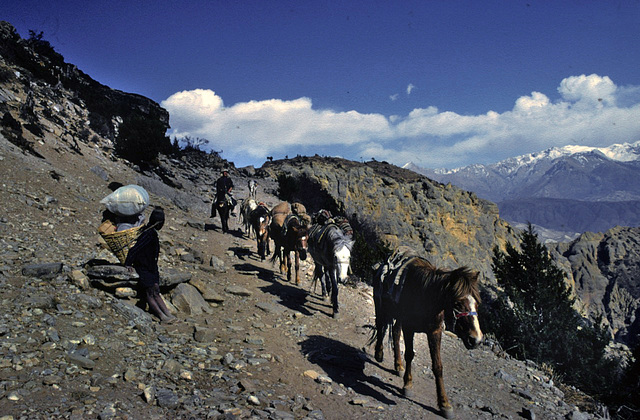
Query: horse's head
[[299, 234], [464, 314], [302, 238], [342, 259]]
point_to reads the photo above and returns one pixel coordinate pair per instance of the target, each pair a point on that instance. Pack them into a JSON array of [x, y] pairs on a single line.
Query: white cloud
[[410, 88], [394, 97], [591, 111], [592, 88], [257, 128]]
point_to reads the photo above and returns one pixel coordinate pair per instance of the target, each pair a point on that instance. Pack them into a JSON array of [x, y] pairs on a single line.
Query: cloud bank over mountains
[[591, 110]]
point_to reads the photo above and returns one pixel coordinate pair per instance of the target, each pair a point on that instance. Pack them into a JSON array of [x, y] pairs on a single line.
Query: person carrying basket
[[143, 257]]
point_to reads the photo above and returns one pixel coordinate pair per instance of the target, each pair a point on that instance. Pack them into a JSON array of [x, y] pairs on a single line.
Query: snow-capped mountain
[[572, 188], [574, 172]]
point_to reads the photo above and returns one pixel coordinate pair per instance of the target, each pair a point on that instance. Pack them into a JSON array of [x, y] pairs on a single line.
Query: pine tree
[[534, 316]]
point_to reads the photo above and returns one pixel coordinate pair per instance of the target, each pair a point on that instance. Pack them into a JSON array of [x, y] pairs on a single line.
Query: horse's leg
[[297, 256], [326, 284], [224, 218], [381, 330], [436, 364], [396, 333], [260, 247], [334, 290], [317, 277], [289, 264], [283, 260], [408, 358]]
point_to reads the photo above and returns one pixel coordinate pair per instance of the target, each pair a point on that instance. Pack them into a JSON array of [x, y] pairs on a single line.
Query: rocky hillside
[[450, 226], [605, 271], [42, 79]]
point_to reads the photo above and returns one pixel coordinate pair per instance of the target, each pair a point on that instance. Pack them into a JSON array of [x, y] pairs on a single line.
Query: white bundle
[[127, 200]]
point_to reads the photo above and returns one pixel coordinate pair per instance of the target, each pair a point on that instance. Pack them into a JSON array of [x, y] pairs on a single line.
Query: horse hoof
[[407, 392], [399, 372], [335, 315], [447, 413]]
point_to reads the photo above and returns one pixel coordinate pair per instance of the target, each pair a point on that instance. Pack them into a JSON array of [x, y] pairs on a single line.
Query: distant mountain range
[[570, 189]]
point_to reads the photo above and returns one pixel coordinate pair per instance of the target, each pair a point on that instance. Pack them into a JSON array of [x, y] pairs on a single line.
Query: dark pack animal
[[260, 218], [223, 207], [289, 234], [412, 296]]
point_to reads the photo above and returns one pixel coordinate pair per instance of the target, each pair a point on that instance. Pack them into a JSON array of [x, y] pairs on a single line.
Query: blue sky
[[438, 83]]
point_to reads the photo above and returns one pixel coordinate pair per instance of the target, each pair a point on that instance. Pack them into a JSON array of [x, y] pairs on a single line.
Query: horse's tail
[[276, 254], [384, 317]]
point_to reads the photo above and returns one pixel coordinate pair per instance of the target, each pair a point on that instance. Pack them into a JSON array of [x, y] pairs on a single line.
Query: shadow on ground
[[345, 365]]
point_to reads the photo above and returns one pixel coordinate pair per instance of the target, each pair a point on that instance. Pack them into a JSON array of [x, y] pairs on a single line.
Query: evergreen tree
[[534, 316]]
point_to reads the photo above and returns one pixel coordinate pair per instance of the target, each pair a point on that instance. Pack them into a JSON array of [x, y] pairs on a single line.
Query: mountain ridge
[[597, 177]]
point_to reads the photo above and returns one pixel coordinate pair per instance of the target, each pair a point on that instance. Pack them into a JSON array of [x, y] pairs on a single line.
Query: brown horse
[[421, 298], [290, 234], [260, 218]]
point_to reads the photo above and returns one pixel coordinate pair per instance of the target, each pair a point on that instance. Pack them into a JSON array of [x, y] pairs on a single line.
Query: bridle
[[458, 314], [463, 314]]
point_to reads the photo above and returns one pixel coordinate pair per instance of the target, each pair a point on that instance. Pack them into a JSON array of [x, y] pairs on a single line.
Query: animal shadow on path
[[251, 269], [345, 365], [233, 232], [241, 252], [290, 297]]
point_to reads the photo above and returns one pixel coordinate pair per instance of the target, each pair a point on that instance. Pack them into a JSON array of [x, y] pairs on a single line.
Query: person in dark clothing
[[224, 186], [143, 257]]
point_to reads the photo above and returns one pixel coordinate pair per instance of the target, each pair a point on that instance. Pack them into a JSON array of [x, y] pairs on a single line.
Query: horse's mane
[[339, 238], [459, 283]]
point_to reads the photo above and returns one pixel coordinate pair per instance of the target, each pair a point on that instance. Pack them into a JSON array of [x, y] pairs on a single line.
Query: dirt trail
[[306, 338]]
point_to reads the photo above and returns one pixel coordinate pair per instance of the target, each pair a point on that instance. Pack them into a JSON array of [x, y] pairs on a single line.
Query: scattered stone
[[217, 264], [311, 374], [270, 307], [170, 277], [125, 292], [360, 401], [150, 394], [207, 290], [167, 398], [80, 279], [80, 360], [187, 299], [42, 271], [204, 335], [237, 290]]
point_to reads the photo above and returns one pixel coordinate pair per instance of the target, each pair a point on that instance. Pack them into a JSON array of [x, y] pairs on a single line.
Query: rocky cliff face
[[450, 226], [37, 75], [605, 271]]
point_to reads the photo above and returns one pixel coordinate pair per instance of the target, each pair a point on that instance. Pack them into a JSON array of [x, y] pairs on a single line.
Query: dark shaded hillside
[[451, 226], [572, 215]]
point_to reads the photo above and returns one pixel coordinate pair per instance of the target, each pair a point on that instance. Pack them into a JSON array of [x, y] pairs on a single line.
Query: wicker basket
[[121, 242]]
